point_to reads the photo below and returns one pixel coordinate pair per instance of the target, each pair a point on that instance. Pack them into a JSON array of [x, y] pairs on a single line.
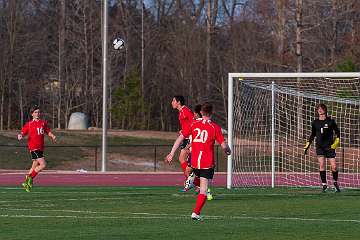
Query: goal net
[[269, 121]]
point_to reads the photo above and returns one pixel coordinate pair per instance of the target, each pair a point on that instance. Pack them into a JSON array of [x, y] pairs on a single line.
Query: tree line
[[51, 53]]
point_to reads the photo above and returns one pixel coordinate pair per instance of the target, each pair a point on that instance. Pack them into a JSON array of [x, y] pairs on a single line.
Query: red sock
[[201, 199], [197, 181], [183, 166], [33, 174]]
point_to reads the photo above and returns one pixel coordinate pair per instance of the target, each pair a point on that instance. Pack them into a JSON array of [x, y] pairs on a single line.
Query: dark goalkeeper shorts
[[205, 173], [184, 143], [326, 152], [36, 154]]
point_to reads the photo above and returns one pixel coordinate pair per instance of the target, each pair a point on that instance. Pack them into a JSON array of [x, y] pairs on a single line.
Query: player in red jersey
[[204, 133], [192, 180], [35, 130], [186, 117]]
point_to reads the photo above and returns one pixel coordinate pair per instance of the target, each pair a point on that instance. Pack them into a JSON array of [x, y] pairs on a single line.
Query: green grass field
[[164, 213]]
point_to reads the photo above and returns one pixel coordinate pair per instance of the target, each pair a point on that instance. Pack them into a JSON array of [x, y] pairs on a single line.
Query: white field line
[[110, 187], [113, 193], [112, 173], [315, 193], [89, 217], [69, 199], [169, 216], [182, 195]]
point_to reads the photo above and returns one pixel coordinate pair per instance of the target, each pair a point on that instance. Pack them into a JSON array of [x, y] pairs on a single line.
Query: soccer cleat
[[195, 216], [25, 186], [189, 182], [209, 196], [324, 188], [29, 182], [337, 188]]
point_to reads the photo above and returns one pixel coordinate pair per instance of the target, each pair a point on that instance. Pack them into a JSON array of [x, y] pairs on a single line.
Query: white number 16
[[40, 131]]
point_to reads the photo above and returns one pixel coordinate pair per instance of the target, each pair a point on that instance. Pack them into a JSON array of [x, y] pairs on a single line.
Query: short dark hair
[[207, 109], [34, 108], [322, 106], [197, 109], [180, 99]]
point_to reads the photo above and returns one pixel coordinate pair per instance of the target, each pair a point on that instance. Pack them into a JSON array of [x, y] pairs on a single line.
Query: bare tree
[[281, 28], [211, 17], [12, 28]]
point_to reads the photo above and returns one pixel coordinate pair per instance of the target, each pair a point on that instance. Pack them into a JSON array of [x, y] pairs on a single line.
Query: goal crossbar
[[297, 75]]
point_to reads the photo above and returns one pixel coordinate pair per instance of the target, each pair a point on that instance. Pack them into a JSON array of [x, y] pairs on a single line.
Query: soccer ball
[[118, 43]]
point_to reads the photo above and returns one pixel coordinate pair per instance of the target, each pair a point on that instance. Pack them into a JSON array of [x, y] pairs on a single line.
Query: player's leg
[[322, 170], [201, 199], [189, 182], [33, 166], [41, 164], [25, 184], [188, 170], [184, 153], [335, 174], [28, 181], [205, 175], [182, 159]]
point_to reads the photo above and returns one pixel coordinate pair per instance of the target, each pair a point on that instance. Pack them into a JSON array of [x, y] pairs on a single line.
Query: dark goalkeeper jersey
[[324, 131]]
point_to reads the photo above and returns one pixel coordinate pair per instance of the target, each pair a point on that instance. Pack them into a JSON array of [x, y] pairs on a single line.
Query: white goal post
[[269, 120]]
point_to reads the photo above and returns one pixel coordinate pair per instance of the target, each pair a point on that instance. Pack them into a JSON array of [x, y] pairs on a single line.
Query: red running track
[[72, 178]]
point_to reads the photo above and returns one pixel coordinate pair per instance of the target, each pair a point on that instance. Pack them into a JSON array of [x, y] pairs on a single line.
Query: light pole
[[104, 113]]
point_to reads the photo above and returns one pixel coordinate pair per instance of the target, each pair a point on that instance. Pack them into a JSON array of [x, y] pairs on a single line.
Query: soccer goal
[[269, 121]]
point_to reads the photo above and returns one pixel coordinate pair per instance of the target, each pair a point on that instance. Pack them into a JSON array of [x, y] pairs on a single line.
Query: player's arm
[[176, 145], [24, 132], [49, 133], [184, 133], [219, 137], [52, 136], [226, 148], [336, 142], [311, 138]]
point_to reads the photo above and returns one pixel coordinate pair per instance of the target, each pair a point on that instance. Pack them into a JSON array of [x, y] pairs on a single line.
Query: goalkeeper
[[323, 128]]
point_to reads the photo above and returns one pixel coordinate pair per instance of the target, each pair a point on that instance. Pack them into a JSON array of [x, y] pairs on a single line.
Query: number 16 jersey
[[204, 133], [35, 129]]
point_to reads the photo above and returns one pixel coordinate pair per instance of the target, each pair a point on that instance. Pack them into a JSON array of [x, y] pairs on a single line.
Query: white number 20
[[201, 136]]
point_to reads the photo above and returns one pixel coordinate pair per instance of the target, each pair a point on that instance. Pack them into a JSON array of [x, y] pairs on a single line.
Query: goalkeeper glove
[[306, 147], [335, 143]]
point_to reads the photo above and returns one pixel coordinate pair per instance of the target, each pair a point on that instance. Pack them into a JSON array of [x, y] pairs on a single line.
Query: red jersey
[[204, 134], [35, 129], [186, 117]]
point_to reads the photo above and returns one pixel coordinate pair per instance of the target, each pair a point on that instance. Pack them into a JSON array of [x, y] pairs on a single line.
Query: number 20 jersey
[[204, 133], [35, 129]]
